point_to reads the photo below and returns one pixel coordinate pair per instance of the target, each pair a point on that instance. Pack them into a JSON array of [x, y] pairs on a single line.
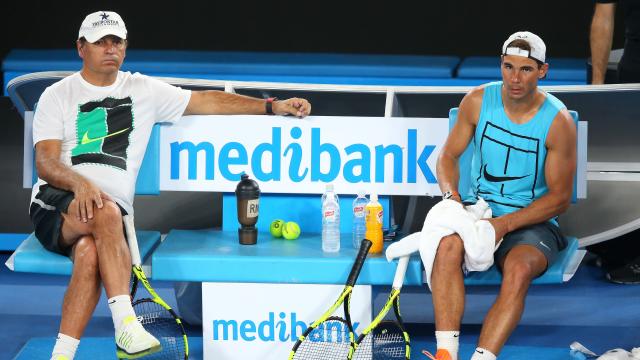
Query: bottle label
[[252, 208], [330, 215], [358, 211], [380, 215]]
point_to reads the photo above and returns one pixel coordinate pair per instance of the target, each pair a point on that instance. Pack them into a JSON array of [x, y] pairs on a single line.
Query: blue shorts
[[545, 237]]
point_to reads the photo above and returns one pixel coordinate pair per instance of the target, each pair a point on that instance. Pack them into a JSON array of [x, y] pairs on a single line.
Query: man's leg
[[114, 264], [113, 253], [447, 287], [521, 265], [80, 299], [84, 290]]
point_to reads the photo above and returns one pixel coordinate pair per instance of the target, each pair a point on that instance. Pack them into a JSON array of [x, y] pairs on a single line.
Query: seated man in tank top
[[523, 165]]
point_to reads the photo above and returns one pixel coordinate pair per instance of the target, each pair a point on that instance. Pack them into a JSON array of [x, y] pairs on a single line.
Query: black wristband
[[269, 105]]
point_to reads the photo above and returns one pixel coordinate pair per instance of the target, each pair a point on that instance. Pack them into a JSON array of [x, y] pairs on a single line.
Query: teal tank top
[[507, 169]]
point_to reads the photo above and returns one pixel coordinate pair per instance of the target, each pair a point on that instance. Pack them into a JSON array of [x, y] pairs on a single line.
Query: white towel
[[445, 218]]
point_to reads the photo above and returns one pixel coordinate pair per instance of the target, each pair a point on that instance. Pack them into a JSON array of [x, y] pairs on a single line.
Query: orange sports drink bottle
[[373, 219]]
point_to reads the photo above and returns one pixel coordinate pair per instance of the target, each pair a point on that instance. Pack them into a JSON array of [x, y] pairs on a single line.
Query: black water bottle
[[248, 201]]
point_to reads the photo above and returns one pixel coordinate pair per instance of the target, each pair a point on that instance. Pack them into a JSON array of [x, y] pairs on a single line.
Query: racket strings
[[330, 340], [160, 323], [386, 341]]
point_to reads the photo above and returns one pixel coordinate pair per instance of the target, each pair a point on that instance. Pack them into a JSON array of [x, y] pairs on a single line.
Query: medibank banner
[[263, 321], [392, 156]]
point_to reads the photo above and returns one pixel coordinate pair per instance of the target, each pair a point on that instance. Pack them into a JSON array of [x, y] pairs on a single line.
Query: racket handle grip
[[401, 270], [357, 265]]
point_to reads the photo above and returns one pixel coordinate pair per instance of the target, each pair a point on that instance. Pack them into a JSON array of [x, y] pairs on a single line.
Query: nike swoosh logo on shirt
[[86, 139], [493, 178]]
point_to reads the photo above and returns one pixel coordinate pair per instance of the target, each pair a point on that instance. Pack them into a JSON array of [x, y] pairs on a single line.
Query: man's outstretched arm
[[215, 102]]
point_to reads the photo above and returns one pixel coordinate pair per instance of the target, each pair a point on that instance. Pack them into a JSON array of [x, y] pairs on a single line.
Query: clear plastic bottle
[[373, 218], [330, 220], [359, 226]]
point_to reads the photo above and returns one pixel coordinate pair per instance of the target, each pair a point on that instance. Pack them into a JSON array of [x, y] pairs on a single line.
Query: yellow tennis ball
[[276, 228], [291, 230]]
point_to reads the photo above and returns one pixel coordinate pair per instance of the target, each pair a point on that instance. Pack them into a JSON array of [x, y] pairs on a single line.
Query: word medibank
[[287, 327], [282, 152], [357, 167]]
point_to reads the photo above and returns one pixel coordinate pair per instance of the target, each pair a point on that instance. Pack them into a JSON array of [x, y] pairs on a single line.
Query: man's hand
[[294, 106], [500, 226], [86, 194]]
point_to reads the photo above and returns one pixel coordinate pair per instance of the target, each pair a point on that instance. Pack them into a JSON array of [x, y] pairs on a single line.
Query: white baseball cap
[[102, 23], [538, 48]]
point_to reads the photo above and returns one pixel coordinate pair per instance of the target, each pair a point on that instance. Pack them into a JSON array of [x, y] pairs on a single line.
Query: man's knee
[[451, 249], [518, 273], [85, 254], [109, 215], [522, 264]]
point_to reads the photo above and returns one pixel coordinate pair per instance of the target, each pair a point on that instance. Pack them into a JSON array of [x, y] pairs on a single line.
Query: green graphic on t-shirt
[[91, 125], [102, 132]]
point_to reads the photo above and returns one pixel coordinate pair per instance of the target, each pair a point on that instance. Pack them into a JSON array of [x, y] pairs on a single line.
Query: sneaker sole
[[122, 354]]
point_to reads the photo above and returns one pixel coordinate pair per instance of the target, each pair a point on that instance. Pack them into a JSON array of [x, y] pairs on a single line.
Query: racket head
[[165, 325], [330, 339], [388, 340]]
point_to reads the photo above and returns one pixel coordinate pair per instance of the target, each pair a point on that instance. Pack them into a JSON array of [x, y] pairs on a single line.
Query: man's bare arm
[[559, 170], [214, 102], [447, 169], [57, 174], [600, 38]]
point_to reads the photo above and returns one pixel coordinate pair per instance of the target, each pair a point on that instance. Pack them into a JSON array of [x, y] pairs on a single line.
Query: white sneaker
[[133, 341]]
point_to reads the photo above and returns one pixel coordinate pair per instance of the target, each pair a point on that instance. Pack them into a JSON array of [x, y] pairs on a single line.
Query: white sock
[[483, 354], [65, 346], [120, 307], [448, 340]]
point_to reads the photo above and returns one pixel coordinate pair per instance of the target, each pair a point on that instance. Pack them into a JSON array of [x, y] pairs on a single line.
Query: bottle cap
[[329, 187], [373, 197]]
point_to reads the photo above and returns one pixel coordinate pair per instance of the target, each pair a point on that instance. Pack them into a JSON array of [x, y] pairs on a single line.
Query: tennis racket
[[331, 337], [386, 339], [155, 314]]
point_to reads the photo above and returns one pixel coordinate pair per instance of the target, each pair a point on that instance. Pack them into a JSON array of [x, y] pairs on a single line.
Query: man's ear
[[542, 72], [80, 49]]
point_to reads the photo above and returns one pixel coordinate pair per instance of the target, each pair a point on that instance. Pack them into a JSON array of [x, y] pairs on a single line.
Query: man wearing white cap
[[523, 166], [90, 132]]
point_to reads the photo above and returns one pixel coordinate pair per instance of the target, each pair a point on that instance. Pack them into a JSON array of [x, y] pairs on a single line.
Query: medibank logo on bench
[[357, 162], [287, 327]]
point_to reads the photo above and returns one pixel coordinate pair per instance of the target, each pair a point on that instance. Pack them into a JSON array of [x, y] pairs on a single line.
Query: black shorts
[[545, 237], [46, 215], [45, 212]]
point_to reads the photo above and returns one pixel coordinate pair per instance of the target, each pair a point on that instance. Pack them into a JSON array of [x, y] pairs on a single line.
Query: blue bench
[[559, 271], [357, 69], [562, 71], [30, 256]]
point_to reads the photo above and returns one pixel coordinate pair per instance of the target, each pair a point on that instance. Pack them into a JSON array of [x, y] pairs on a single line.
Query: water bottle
[[359, 227], [330, 221], [373, 218]]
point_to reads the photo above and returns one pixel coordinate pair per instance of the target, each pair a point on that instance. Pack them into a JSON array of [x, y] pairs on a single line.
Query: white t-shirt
[[105, 130]]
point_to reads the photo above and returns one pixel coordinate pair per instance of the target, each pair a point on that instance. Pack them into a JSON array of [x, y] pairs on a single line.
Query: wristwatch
[[449, 194], [269, 105]]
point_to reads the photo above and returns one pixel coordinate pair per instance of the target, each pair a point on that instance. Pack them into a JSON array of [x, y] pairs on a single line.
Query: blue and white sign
[[263, 321], [393, 156]]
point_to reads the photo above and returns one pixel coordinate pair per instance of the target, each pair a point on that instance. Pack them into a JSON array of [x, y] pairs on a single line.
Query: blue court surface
[[30, 313]]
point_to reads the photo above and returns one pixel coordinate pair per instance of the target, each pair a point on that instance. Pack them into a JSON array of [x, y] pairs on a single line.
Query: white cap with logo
[[538, 48], [102, 23]]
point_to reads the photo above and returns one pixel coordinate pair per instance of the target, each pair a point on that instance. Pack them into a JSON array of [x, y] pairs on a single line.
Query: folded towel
[[446, 218]]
